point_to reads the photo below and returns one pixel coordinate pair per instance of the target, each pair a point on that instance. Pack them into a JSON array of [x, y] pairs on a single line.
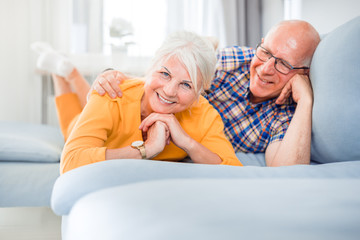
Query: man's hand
[[300, 88], [108, 82]]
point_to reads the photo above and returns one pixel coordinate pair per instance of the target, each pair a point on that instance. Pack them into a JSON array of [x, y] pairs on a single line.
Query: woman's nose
[[170, 89]]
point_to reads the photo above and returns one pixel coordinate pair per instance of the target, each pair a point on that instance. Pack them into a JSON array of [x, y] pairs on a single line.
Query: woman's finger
[[147, 122]]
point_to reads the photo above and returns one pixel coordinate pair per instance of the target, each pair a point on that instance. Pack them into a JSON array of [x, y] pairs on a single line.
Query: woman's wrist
[[190, 145], [151, 150]]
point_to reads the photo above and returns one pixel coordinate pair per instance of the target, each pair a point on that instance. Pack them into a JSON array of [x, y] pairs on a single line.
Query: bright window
[[137, 26]]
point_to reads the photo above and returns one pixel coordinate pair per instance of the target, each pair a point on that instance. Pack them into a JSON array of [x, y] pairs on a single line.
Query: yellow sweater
[[114, 123]]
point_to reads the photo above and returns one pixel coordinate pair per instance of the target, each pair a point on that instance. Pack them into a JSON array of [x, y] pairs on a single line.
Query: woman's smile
[[169, 88], [162, 99]]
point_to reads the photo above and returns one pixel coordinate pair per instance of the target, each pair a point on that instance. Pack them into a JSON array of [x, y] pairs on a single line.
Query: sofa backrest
[[335, 77]]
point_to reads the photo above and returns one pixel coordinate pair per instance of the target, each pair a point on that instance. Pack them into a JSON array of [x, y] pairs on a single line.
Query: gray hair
[[195, 52]]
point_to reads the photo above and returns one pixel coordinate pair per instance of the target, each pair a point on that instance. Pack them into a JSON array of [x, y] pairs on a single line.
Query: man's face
[[265, 81]]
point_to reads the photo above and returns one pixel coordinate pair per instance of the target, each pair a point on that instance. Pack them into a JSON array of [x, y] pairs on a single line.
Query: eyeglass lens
[[280, 65]]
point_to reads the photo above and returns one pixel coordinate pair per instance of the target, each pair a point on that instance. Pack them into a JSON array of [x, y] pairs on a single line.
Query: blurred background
[[124, 34]]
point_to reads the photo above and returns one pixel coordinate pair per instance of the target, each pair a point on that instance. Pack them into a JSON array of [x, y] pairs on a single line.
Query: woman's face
[[168, 89]]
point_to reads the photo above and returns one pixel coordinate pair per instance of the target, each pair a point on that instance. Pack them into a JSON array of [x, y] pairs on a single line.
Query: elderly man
[[264, 95], [252, 90]]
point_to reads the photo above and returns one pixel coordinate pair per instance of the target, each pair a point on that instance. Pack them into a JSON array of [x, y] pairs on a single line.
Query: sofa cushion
[[215, 209], [27, 184], [335, 76], [252, 159], [27, 142]]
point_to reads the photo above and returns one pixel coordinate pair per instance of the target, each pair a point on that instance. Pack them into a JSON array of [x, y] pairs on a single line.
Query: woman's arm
[[97, 122], [86, 142], [157, 138], [197, 151]]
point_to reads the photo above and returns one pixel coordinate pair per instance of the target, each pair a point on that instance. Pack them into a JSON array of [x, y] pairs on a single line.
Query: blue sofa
[[29, 163], [143, 199], [137, 199]]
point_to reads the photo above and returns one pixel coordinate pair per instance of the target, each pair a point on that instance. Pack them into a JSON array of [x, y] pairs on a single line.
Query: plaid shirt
[[249, 127]]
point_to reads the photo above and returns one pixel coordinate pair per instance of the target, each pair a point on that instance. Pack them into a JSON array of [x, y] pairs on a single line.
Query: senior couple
[[260, 100]]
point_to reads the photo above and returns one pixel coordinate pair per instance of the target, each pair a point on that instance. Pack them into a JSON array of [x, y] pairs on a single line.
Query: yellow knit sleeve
[[85, 144]]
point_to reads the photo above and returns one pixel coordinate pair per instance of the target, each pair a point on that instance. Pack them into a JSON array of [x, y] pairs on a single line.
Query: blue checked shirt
[[249, 127]]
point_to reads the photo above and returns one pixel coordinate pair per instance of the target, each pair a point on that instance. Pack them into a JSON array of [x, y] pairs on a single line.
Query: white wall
[[18, 101], [21, 23], [273, 12], [324, 15]]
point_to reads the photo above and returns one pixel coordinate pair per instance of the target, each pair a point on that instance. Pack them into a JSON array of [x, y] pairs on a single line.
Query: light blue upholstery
[[73, 185], [335, 76], [252, 159], [214, 209], [29, 163], [27, 142], [27, 184]]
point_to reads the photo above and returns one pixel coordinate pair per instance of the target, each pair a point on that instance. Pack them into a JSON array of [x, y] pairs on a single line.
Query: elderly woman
[[163, 117]]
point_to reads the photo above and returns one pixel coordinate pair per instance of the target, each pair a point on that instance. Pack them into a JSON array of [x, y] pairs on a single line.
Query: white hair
[[195, 52]]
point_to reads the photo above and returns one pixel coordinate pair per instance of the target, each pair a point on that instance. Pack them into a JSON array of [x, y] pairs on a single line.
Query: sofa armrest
[[219, 209], [79, 182]]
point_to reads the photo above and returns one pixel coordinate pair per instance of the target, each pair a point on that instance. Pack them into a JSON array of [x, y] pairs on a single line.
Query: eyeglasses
[[281, 65]]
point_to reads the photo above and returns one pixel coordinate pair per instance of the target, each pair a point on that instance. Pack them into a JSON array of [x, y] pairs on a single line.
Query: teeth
[[263, 80], [163, 99]]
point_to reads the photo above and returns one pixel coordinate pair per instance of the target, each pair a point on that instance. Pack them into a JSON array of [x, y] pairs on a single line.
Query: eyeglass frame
[[276, 60]]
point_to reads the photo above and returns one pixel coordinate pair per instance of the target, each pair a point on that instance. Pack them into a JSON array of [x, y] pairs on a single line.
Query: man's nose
[[268, 67]]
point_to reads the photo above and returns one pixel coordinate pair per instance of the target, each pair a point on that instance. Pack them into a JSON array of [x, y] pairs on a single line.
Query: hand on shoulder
[[108, 82]]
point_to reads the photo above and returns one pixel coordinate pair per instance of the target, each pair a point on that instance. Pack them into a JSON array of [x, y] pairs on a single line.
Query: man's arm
[[296, 144]]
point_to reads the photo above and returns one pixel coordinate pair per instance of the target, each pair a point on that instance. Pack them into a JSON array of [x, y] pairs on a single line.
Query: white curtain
[[70, 26], [23, 22], [233, 22], [52, 20], [204, 17], [86, 26]]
